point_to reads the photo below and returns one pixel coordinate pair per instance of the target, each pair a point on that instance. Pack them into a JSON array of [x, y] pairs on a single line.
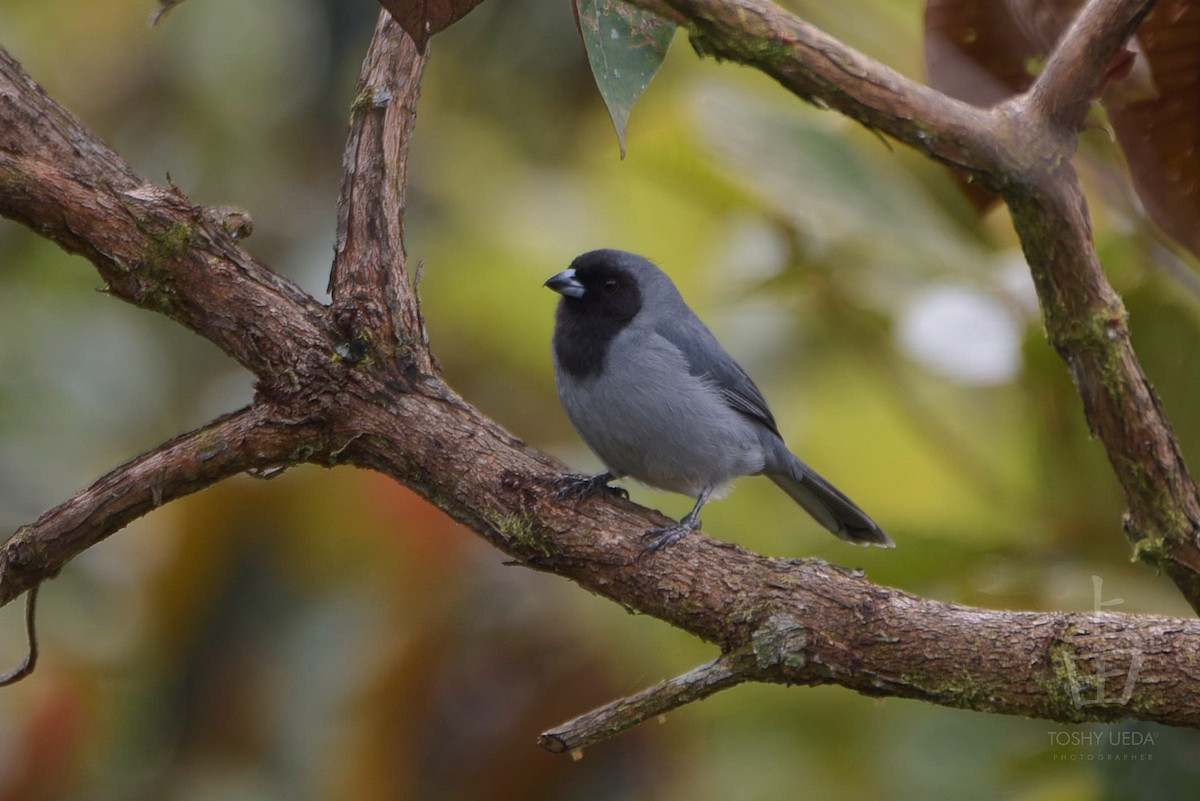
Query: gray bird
[[658, 399]]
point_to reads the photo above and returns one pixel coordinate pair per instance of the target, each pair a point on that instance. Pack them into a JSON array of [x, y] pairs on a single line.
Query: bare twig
[[31, 656], [613, 718], [779, 643], [1076, 71]]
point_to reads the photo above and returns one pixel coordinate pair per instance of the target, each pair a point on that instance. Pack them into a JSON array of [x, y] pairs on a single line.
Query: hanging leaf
[[421, 19], [977, 52], [1160, 135], [983, 51], [163, 7], [625, 47]]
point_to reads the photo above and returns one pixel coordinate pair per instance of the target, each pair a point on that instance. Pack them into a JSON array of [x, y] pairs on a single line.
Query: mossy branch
[[330, 395]]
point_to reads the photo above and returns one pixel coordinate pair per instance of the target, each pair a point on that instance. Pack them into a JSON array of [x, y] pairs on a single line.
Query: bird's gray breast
[[646, 416]]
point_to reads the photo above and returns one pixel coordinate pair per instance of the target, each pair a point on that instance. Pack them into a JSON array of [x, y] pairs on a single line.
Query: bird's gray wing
[[707, 359]]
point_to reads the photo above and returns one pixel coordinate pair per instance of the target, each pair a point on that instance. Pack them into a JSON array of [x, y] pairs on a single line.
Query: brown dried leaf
[[421, 19], [982, 51], [976, 51], [1160, 135]]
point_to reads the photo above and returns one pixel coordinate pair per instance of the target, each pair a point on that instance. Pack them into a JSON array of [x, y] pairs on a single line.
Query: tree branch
[[827, 73], [875, 640], [1090, 658], [790, 621], [372, 303], [250, 439], [613, 718], [26, 667], [1085, 319], [1077, 70], [152, 246]]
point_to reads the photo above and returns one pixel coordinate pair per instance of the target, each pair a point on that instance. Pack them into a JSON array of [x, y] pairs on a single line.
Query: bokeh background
[[327, 635]]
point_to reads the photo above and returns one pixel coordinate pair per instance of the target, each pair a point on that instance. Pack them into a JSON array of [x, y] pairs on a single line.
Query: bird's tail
[[825, 502]]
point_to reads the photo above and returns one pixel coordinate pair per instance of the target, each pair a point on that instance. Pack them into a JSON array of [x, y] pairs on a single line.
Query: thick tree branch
[[373, 306], [1087, 324], [1085, 319], [872, 639], [791, 621], [1081, 655], [251, 439], [152, 246]]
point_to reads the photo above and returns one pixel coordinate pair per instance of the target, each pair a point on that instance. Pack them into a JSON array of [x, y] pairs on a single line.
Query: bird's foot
[[580, 488], [662, 537]]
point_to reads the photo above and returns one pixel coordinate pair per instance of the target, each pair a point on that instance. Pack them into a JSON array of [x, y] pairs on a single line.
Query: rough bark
[[355, 382], [1021, 149]]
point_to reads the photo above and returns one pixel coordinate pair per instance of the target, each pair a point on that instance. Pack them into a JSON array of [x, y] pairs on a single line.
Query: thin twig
[[26, 667], [1076, 70], [613, 718]]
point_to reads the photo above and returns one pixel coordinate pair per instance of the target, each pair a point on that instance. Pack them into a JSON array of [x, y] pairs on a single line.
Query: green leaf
[[625, 47]]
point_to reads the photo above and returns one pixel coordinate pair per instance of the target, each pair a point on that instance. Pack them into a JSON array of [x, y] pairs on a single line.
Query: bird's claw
[[662, 537], [580, 488]]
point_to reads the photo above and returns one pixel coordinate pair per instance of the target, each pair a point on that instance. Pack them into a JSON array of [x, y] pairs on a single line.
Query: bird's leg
[[661, 537], [581, 488]]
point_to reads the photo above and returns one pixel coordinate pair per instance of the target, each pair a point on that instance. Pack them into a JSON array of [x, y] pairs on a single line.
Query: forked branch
[[1021, 149], [354, 383]]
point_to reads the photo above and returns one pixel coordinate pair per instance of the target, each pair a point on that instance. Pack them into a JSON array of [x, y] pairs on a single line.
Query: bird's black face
[[600, 297], [598, 288]]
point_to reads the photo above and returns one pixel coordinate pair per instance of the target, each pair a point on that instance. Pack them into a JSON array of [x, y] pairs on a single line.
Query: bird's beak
[[565, 283]]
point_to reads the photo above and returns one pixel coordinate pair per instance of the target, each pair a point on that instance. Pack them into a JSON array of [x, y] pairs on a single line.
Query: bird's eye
[[609, 285]]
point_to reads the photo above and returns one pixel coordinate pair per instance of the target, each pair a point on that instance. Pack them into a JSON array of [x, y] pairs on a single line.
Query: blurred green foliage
[[327, 635]]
